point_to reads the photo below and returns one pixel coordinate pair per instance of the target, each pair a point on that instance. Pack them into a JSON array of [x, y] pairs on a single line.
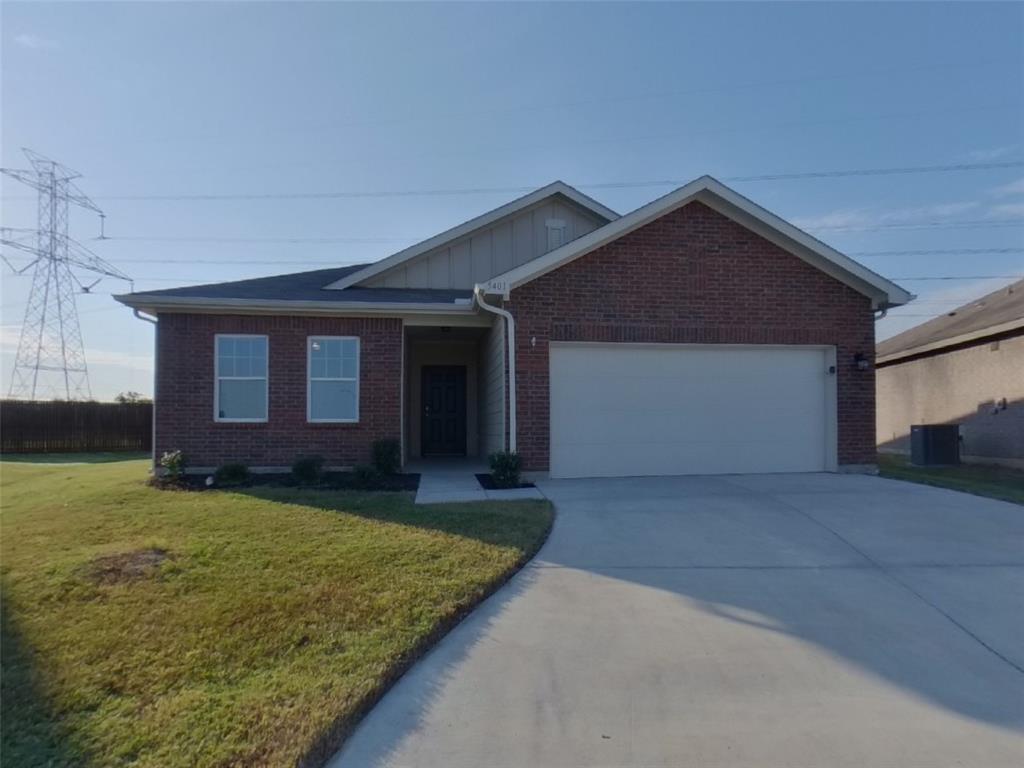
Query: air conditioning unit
[[932, 444]]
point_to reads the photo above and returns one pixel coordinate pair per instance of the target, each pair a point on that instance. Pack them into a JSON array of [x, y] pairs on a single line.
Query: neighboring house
[[965, 367], [697, 334]]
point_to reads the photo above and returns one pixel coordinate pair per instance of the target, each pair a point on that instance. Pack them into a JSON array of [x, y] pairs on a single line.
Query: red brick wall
[[185, 383], [693, 276]]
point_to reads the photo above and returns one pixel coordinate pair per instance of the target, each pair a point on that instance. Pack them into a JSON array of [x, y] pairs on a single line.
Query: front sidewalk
[[446, 480]]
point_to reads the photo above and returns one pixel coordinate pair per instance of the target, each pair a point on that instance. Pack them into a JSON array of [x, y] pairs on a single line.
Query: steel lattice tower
[[50, 363]]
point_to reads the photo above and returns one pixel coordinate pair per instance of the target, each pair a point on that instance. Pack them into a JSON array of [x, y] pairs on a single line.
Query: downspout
[[510, 325], [152, 439]]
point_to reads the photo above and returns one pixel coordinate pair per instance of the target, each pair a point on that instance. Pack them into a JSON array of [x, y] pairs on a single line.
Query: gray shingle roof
[[997, 308], [306, 286]]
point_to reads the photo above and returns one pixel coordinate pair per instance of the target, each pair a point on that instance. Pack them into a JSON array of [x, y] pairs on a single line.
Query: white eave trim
[[952, 341], [183, 303], [484, 220], [883, 293]]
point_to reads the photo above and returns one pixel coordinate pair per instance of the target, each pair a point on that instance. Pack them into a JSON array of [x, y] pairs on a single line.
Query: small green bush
[[364, 477], [174, 464], [387, 456], [232, 473], [505, 468], [308, 470]]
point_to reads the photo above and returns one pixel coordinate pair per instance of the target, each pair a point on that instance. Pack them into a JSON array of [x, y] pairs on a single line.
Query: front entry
[[444, 410]]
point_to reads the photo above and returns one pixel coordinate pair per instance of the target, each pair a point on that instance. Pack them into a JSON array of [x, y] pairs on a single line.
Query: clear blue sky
[[187, 98]]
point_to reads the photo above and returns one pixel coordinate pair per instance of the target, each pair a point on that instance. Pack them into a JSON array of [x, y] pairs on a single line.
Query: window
[[333, 393], [556, 233], [241, 378]]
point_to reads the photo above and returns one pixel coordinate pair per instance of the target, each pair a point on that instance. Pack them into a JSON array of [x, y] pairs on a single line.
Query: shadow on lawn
[[483, 521], [73, 458], [29, 730]]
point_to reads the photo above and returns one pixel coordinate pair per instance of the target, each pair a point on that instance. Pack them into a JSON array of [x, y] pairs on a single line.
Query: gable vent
[[556, 233]]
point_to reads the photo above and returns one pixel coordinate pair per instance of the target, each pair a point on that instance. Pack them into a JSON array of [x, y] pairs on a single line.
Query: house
[[697, 334], [965, 367]]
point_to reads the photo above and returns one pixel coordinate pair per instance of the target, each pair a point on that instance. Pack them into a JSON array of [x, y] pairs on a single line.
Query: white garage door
[[619, 410]]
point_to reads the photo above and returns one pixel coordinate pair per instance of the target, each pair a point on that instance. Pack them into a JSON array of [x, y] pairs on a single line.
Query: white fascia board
[[952, 341], [455, 233], [261, 306], [883, 292]]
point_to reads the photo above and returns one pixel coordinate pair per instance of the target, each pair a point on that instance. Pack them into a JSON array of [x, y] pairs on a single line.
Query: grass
[[252, 628], [981, 479]]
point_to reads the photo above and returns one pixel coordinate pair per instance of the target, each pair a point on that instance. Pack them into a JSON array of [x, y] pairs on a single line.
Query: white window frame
[[309, 378], [217, 378]]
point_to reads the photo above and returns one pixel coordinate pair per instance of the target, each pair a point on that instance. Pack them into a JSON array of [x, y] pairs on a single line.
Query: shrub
[[174, 464], [308, 470], [233, 473], [387, 456], [505, 468], [364, 477]]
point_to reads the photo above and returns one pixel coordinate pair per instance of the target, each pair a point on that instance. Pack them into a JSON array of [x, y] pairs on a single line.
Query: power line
[[967, 224], [961, 277], [937, 252], [202, 240], [269, 240], [428, 192]]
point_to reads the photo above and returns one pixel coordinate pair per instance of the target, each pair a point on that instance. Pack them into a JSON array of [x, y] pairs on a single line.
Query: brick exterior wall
[[185, 387], [693, 276]]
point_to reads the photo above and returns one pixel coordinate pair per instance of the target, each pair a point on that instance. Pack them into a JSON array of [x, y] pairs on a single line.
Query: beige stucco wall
[[963, 386]]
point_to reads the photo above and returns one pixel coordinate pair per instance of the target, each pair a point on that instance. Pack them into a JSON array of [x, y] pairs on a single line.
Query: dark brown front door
[[444, 410]]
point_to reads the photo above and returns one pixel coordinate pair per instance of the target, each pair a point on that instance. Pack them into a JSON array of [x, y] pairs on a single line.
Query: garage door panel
[[634, 410]]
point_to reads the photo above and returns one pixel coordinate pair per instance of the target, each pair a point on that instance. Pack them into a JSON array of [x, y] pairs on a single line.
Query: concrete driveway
[[783, 620]]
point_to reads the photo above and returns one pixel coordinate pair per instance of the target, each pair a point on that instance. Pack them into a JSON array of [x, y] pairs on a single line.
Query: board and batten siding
[[489, 251], [492, 390]]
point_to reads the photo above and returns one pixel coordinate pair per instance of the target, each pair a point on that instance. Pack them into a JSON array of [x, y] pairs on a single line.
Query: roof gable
[[728, 202], [466, 229]]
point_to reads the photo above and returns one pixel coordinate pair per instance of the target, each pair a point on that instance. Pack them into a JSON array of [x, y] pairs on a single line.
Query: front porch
[[454, 392]]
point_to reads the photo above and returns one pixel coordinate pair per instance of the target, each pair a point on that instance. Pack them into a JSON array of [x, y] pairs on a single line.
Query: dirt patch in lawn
[[126, 567]]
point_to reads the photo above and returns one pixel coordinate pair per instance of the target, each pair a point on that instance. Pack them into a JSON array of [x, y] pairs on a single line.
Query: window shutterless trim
[[310, 379], [217, 379]]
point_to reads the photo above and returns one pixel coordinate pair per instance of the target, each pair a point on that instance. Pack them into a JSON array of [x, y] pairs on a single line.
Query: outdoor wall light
[[861, 362]]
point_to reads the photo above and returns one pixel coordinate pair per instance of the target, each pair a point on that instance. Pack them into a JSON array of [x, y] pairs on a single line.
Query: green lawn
[[981, 479], [253, 629]]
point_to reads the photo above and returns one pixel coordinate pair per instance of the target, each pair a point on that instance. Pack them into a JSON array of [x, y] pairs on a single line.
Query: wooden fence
[[72, 427]]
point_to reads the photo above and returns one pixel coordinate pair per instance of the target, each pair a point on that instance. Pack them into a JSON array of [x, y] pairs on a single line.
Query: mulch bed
[[331, 481], [487, 483]]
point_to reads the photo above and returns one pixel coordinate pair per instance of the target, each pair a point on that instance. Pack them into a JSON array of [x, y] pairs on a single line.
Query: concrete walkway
[[812, 620], [454, 480]]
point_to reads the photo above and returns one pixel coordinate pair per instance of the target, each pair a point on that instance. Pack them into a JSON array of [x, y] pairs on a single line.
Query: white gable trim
[[716, 195], [472, 225]]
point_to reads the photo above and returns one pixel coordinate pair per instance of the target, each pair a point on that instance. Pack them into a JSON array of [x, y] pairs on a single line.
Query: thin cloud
[[988, 155], [10, 334], [1008, 190], [1007, 211], [868, 217], [35, 42]]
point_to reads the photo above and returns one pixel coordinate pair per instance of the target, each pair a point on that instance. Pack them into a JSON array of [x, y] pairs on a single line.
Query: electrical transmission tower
[[51, 359]]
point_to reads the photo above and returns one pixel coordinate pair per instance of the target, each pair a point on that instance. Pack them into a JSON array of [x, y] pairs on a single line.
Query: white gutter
[[510, 324], [152, 427]]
